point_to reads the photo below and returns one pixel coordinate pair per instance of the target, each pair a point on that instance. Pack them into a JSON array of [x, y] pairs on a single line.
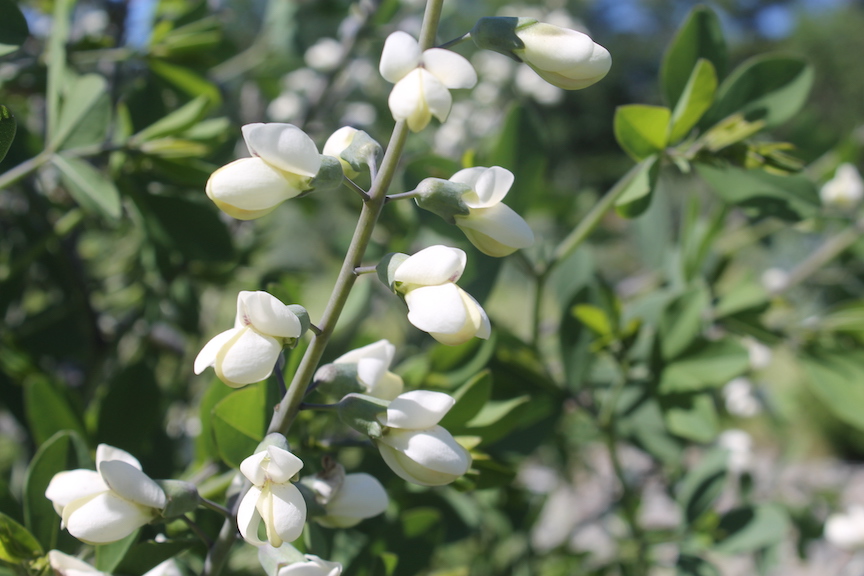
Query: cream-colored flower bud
[[845, 189]]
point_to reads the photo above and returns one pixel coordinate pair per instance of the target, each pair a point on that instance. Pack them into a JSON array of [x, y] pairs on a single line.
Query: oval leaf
[[642, 130], [699, 37], [89, 187], [696, 99]]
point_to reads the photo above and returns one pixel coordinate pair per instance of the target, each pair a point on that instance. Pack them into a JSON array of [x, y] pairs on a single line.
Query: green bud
[[498, 33], [442, 197], [362, 151], [182, 497], [361, 413], [329, 176], [387, 268], [302, 315]]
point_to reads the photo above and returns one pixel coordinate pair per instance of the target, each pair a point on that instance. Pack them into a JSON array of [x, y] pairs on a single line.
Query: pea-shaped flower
[[845, 189], [415, 447], [109, 503], [423, 79], [346, 498], [272, 499], [565, 58], [284, 161], [435, 304], [248, 352], [288, 561], [373, 369]]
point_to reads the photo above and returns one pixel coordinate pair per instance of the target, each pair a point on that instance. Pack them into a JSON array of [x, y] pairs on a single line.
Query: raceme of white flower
[[248, 352], [435, 304], [565, 58], [348, 498], [422, 79], [845, 189], [284, 161], [846, 530], [272, 500], [373, 369], [109, 503], [288, 561], [495, 229], [415, 447]]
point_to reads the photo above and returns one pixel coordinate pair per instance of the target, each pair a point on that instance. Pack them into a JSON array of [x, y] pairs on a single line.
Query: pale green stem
[[456, 41], [403, 195], [24, 169]]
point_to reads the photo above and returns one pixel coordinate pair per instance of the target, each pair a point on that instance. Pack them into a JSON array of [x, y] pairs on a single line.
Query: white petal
[[453, 70], [247, 358], [253, 468], [283, 146], [339, 141], [361, 496], [313, 566], [267, 314], [433, 448], [71, 485], [104, 453], [250, 188], [468, 176], [286, 514], [66, 565], [436, 97], [437, 309], [207, 356], [388, 387], [369, 371], [167, 568], [490, 188], [432, 266], [248, 518], [283, 465], [382, 350], [407, 101], [553, 48], [507, 230], [400, 56], [104, 518], [418, 409], [132, 484]]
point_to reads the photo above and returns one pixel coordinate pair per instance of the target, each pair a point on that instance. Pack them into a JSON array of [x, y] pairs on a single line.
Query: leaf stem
[[215, 507]]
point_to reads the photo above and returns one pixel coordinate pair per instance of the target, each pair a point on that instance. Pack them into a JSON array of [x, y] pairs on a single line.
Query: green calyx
[[498, 33], [361, 412], [386, 268], [329, 176], [182, 497], [362, 152], [443, 197], [338, 379]]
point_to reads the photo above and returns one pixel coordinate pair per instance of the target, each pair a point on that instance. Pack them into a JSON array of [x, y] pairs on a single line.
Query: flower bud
[[365, 370], [347, 498], [355, 149], [564, 58], [845, 189], [442, 197]]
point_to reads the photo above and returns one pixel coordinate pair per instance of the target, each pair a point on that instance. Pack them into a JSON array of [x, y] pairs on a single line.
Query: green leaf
[[8, 127], [92, 190], [697, 98], [682, 321], [836, 379], [699, 37], [240, 422], [178, 121], [766, 88], [748, 529], [65, 450], [694, 566], [109, 556], [13, 28], [83, 95], [205, 443], [420, 521], [575, 343], [48, 412], [57, 62], [702, 485], [146, 555], [690, 416], [706, 365], [495, 420], [595, 319], [642, 130], [470, 399], [639, 185], [129, 414], [17, 544], [762, 194], [180, 225], [186, 81]]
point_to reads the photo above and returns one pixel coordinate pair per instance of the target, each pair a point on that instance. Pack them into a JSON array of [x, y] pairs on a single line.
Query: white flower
[[284, 161], [491, 226], [167, 568], [414, 446], [740, 399], [313, 566], [108, 504], [65, 565], [272, 499], [739, 444], [337, 143], [435, 304], [564, 58], [347, 498], [373, 369], [759, 354], [248, 352], [422, 79], [845, 189], [325, 55], [288, 561], [846, 531]]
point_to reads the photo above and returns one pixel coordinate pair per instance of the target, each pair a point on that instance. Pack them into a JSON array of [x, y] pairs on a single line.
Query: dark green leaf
[[13, 29], [694, 566], [239, 423], [749, 529], [146, 555], [109, 556], [17, 544], [186, 81], [48, 411], [205, 443], [8, 127], [706, 365], [642, 130], [690, 416], [420, 521], [836, 379], [175, 123], [702, 485], [129, 414], [575, 343], [696, 99], [470, 399], [699, 37], [639, 184], [182, 225], [85, 103], [682, 321], [88, 186]]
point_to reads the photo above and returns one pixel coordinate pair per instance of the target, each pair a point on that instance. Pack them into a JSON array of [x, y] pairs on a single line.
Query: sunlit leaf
[[699, 37]]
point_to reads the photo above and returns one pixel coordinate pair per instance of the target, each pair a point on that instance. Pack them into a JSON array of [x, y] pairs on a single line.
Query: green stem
[[455, 41], [402, 195], [351, 185], [24, 169]]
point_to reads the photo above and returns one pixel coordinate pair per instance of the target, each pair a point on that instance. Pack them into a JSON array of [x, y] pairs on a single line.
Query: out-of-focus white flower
[[528, 83], [65, 565], [248, 352], [415, 447], [284, 162], [846, 530], [775, 280], [167, 568], [759, 354], [324, 55], [373, 369], [845, 189], [740, 447], [740, 399], [272, 500], [346, 498], [423, 79], [108, 504], [491, 226], [288, 561], [435, 304]]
